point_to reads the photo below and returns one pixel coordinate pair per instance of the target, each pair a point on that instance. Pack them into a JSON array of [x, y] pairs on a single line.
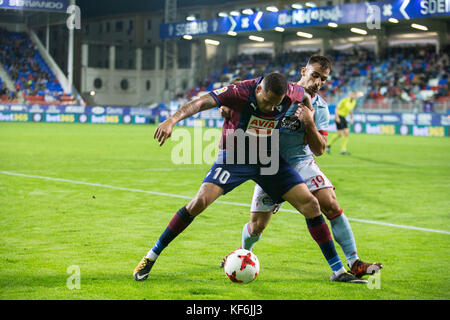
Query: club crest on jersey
[[261, 127], [220, 91]]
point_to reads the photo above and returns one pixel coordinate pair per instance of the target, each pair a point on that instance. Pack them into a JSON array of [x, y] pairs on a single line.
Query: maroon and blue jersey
[[245, 115]]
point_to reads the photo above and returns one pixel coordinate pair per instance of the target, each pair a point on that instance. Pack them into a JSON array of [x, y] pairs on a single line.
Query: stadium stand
[[32, 77], [7, 96], [404, 76]]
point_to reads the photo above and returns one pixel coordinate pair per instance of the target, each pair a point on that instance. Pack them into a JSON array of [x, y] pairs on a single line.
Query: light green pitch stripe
[[218, 201]]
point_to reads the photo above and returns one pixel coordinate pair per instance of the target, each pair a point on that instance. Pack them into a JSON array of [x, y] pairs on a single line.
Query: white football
[[241, 266]]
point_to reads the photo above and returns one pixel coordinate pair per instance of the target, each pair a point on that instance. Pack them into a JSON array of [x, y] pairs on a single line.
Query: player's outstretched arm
[[164, 130]]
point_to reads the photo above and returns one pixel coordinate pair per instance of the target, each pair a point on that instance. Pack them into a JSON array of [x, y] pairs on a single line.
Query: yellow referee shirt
[[346, 106]]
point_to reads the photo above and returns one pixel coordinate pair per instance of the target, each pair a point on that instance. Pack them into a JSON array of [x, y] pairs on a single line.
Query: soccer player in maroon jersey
[[258, 107]]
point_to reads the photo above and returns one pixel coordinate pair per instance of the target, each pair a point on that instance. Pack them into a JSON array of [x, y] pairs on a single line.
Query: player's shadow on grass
[[385, 163]]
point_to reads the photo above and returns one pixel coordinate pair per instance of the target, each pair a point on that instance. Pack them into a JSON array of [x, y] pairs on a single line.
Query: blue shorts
[[230, 176]]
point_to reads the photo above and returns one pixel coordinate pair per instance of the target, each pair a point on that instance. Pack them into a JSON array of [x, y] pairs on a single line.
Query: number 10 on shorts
[[221, 175]]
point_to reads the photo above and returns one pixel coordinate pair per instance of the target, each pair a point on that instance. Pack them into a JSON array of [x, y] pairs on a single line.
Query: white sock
[[340, 271], [152, 256], [352, 261]]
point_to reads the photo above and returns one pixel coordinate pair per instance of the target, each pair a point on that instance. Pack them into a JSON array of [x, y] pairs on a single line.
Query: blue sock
[[343, 235], [249, 240], [180, 221]]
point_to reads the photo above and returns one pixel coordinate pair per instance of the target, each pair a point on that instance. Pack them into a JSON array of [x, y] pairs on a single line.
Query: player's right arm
[[164, 130]]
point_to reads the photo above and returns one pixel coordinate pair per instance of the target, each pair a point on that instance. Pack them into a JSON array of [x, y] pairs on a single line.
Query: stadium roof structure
[[370, 14]]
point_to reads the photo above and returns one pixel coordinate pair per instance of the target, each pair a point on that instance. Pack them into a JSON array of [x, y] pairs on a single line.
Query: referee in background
[[343, 109]]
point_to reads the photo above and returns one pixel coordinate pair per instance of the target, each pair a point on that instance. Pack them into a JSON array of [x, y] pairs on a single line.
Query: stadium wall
[[80, 114], [412, 124]]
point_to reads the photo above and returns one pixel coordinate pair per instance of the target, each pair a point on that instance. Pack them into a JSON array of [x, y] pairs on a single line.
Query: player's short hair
[[324, 62], [276, 83]]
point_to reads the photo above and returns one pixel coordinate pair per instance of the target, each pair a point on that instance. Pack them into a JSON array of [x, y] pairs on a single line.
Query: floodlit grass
[[48, 225]]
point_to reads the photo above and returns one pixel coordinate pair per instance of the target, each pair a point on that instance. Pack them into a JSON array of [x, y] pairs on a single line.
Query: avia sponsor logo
[[54, 5], [261, 127]]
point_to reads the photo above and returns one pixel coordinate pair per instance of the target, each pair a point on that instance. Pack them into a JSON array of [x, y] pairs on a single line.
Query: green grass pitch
[[118, 191]]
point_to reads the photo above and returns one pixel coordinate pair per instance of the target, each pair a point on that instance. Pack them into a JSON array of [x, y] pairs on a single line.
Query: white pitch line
[[388, 224], [217, 201]]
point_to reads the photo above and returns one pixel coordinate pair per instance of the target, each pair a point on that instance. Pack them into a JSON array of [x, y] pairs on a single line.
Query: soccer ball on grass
[[241, 266]]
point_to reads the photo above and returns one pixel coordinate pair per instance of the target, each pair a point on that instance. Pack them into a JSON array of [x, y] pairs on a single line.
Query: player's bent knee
[[303, 200], [312, 208], [259, 221], [197, 205], [258, 227], [332, 211], [309, 207]]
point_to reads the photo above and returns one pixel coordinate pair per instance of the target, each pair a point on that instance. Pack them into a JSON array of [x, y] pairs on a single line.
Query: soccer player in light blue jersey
[[303, 135]]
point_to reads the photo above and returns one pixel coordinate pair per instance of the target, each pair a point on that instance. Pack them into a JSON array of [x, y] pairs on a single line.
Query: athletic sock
[[320, 232], [249, 239], [333, 140], [343, 235], [180, 221], [344, 144]]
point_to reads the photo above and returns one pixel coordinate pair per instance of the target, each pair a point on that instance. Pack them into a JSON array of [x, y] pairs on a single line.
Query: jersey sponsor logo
[[291, 123], [261, 127], [220, 91]]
